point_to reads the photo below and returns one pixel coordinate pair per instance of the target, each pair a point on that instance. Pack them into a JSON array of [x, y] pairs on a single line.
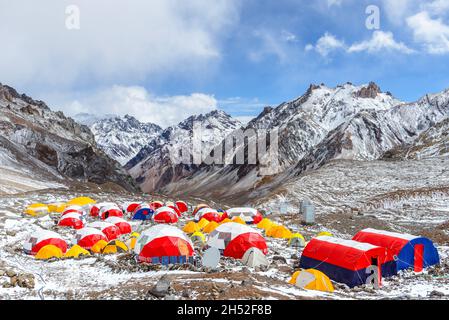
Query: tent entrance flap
[[419, 257]]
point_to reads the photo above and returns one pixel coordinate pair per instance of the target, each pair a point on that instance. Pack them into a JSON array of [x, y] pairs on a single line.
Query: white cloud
[[326, 44], [397, 10], [272, 43], [380, 41], [331, 3], [118, 41], [433, 34], [437, 6], [138, 102]]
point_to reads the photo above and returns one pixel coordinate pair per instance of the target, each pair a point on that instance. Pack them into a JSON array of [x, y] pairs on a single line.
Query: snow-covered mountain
[[325, 124], [43, 145], [88, 119], [159, 163], [123, 137], [369, 135]]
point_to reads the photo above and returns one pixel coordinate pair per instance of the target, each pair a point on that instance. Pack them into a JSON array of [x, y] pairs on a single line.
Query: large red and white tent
[[249, 215], [111, 231], [209, 214], [73, 220], [165, 215], [163, 244], [42, 238], [122, 224], [234, 239], [88, 237]]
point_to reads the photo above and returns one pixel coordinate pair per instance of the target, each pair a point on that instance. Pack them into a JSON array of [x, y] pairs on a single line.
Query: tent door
[[419, 257]]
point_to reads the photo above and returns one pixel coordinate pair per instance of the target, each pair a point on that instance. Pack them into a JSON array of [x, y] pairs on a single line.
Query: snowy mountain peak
[[123, 137]]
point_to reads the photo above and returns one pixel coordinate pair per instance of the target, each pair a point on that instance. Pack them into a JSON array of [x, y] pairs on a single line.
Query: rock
[[26, 281], [185, 293], [280, 259], [2, 273], [247, 282], [11, 273], [6, 285], [13, 281], [436, 293], [161, 289], [294, 257]]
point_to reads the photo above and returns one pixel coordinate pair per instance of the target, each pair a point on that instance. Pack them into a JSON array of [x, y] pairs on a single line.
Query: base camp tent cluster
[[236, 233]]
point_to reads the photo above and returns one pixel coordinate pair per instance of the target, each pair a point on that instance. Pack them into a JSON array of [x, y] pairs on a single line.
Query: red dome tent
[[130, 207], [42, 238], [111, 231], [95, 209], [234, 239], [156, 205], [73, 220], [88, 237], [164, 244], [199, 207], [174, 207], [165, 215], [345, 261], [73, 209], [110, 211], [249, 215], [182, 206], [208, 214], [122, 224], [407, 250]]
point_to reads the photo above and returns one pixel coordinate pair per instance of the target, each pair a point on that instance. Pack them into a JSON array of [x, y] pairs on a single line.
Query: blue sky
[[163, 60]]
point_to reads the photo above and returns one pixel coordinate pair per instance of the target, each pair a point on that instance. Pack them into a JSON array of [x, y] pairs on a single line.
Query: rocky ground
[[120, 277]]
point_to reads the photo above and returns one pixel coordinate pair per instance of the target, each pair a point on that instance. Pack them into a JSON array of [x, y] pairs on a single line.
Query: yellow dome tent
[[48, 252], [131, 242], [312, 279], [76, 251], [191, 227], [203, 222], [198, 237], [115, 246], [265, 224], [81, 201], [37, 209], [297, 240], [279, 232], [57, 207], [238, 220], [325, 233], [99, 246], [211, 226]]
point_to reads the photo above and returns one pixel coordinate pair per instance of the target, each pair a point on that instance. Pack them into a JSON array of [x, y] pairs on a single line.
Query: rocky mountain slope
[[48, 146], [161, 161], [122, 138], [325, 124]]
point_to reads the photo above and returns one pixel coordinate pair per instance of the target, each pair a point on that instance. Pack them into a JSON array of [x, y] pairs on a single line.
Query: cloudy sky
[[163, 60]]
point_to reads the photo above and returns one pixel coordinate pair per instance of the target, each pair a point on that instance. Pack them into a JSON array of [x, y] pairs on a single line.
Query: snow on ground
[[120, 277]]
